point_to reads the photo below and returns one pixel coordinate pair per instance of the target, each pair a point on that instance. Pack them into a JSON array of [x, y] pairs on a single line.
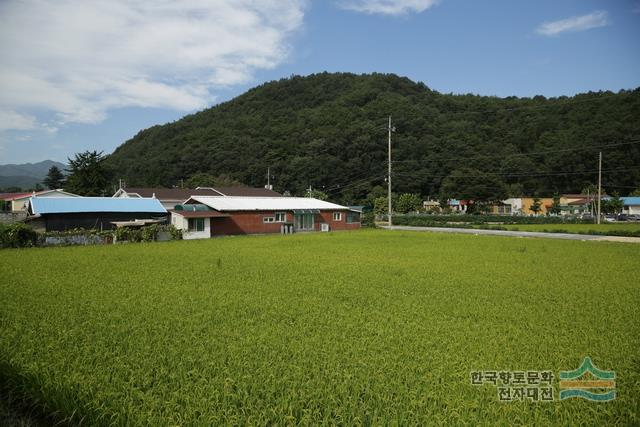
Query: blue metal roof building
[[58, 205], [99, 213], [631, 201]]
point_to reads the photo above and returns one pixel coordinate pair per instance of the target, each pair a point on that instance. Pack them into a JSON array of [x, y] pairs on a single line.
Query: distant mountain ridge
[[26, 175]]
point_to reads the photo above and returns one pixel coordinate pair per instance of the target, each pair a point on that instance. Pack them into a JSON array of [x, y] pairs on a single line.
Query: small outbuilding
[[194, 220], [101, 213], [19, 201]]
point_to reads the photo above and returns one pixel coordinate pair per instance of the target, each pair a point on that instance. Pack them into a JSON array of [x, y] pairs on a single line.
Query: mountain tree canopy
[[327, 131]]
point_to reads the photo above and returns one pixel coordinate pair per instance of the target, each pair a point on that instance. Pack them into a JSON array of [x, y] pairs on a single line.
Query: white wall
[[632, 209], [182, 223]]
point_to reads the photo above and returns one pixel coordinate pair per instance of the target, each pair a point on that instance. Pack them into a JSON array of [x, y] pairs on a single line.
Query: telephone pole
[[390, 129], [599, 183]]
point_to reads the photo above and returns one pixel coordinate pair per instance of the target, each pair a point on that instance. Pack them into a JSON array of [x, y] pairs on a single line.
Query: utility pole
[[599, 183], [390, 129], [268, 177]]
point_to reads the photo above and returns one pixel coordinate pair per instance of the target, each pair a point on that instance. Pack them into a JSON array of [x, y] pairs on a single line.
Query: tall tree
[[408, 202], [615, 203], [536, 206], [88, 175], [317, 194], [555, 206], [54, 178]]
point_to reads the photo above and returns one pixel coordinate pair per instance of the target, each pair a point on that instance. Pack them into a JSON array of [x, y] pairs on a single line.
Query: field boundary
[[511, 233]]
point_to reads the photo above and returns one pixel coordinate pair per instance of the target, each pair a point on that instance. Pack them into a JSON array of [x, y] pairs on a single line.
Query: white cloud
[[81, 58], [11, 120], [388, 7], [575, 23]]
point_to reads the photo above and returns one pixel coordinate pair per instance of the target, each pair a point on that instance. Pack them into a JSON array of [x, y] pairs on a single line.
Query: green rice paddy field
[[369, 327]]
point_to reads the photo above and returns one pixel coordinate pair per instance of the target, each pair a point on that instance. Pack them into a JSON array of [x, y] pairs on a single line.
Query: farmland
[[368, 327]]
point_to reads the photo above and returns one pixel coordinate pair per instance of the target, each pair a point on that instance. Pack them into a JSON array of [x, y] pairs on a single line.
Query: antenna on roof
[[269, 186]]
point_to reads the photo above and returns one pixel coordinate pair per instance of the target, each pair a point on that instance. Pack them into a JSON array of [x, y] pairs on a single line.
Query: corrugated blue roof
[[630, 201], [49, 205]]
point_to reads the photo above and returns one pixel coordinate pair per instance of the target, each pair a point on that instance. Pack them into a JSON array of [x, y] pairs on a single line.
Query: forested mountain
[[25, 175], [328, 131]]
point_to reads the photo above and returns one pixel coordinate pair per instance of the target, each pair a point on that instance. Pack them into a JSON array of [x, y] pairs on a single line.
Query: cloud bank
[[575, 23], [388, 7], [78, 59]]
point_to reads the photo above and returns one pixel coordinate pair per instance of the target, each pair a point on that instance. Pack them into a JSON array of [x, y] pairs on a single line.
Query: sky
[[81, 75]]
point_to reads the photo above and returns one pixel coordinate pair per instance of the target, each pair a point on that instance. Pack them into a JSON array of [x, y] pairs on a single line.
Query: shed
[[65, 213]]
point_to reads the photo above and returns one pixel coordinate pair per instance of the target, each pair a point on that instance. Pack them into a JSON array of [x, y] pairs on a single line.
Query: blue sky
[[78, 75]]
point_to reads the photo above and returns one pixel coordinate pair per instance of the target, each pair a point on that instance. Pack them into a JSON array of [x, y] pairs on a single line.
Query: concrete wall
[[11, 217]]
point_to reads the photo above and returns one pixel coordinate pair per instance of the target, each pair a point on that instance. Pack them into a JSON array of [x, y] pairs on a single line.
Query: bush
[[367, 219], [149, 233], [17, 235]]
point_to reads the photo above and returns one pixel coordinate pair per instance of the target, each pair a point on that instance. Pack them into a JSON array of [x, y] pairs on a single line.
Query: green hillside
[[326, 130]]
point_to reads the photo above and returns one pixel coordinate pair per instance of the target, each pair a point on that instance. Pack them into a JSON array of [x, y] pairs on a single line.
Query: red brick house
[[261, 215]]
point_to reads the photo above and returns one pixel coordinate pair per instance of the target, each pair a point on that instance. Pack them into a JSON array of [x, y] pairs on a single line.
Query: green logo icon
[[588, 382]]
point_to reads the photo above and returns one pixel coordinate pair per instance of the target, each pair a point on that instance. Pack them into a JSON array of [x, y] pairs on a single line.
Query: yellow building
[[527, 202]]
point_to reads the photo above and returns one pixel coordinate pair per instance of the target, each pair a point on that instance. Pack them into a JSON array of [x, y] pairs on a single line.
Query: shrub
[[149, 233], [367, 219], [17, 235]]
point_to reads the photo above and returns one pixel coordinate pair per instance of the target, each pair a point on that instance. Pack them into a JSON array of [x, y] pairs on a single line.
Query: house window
[[281, 217], [268, 219], [337, 216], [353, 217], [196, 224]]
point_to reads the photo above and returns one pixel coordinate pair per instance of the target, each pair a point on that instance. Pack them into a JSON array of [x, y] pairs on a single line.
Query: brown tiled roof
[[201, 214], [180, 194], [247, 192]]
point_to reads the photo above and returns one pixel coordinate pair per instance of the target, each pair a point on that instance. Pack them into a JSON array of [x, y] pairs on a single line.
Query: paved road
[[537, 234]]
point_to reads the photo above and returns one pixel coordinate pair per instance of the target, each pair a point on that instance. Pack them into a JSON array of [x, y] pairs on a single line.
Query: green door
[[303, 222]]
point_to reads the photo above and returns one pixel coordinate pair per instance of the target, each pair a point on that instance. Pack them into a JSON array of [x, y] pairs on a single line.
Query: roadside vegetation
[[547, 224], [367, 327]]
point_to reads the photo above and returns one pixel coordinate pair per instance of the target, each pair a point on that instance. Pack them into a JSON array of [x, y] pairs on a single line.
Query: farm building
[[220, 216], [631, 205], [19, 201], [101, 213], [169, 197]]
